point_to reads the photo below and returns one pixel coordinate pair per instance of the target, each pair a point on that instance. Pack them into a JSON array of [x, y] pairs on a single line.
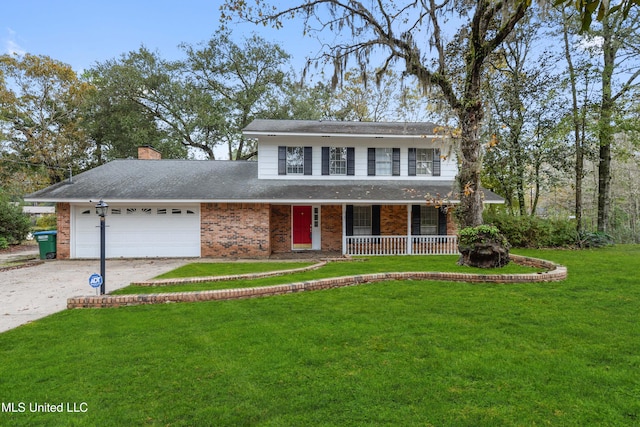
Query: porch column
[[409, 245], [344, 230]]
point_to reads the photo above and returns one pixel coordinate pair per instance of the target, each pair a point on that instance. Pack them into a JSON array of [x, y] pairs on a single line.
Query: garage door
[[138, 231]]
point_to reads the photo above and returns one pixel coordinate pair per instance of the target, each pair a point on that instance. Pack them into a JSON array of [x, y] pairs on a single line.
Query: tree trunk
[[469, 213], [605, 127]]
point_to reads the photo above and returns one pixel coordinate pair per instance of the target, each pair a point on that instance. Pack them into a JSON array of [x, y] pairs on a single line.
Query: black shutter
[[349, 220], [282, 160], [325, 160], [442, 222], [351, 161], [412, 162], [308, 160], [371, 162], [415, 220], [375, 220], [395, 168], [436, 162]]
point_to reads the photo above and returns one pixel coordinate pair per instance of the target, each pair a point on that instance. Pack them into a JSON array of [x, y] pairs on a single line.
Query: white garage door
[[138, 231]]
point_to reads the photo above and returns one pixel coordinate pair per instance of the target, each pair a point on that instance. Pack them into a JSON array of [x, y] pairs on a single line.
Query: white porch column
[[344, 230], [409, 245]]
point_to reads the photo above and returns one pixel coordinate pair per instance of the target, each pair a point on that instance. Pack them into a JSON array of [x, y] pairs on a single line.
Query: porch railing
[[401, 245]]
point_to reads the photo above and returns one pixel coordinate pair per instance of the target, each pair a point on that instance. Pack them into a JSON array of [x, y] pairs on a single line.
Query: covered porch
[[364, 229]]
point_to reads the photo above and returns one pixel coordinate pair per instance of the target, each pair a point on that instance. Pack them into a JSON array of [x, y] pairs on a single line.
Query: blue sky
[[83, 32]]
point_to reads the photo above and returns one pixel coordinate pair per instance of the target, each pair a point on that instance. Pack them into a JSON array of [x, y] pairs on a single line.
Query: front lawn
[[333, 269], [392, 353]]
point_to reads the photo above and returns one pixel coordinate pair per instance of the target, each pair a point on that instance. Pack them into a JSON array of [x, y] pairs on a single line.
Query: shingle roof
[[227, 181], [321, 127]]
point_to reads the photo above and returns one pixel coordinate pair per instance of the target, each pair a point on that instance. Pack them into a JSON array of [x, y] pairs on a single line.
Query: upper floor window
[[383, 161], [294, 160], [424, 161], [338, 160]]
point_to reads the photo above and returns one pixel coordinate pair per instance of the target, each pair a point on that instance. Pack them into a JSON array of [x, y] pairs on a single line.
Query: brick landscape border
[[553, 273]]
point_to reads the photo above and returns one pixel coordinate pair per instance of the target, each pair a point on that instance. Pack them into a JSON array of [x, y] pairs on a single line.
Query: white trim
[[255, 134]]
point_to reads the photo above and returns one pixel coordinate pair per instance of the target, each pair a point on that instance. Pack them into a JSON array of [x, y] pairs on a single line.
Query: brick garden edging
[[188, 280], [555, 273]]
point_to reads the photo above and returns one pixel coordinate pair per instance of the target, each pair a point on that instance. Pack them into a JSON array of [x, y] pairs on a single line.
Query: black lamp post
[[101, 210]]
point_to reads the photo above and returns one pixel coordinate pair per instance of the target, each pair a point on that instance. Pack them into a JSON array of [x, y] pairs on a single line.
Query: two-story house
[[347, 187]]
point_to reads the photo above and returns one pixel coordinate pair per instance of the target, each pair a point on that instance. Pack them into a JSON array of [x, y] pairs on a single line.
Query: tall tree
[[414, 34], [241, 77], [524, 104], [118, 125], [619, 39], [40, 100], [159, 89]]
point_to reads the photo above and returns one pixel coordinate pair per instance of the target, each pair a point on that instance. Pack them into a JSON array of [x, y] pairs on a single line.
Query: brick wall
[[452, 226], [63, 242], [281, 228], [331, 228], [393, 220], [235, 230]]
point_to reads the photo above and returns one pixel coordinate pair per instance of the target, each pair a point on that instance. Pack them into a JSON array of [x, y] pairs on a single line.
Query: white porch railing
[[401, 245]]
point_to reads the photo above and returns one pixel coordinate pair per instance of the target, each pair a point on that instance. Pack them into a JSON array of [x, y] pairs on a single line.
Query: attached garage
[[137, 231]]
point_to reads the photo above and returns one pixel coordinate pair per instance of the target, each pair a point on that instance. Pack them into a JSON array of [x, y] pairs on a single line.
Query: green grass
[[205, 269], [394, 353], [333, 269]]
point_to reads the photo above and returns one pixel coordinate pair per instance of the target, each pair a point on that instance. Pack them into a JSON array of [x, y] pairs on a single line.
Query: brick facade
[[281, 228], [331, 228], [393, 220], [235, 230], [63, 242]]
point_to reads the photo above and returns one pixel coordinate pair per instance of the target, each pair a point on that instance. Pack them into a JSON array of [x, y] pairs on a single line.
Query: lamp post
[[101, 210]]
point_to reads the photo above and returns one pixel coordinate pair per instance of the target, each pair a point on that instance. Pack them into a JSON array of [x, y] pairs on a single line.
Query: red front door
[[302, 227]]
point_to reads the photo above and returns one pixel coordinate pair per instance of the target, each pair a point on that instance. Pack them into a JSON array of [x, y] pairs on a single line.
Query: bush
[[14, 225], [3, 243], [533, 232], [46, 222], [594, 240]]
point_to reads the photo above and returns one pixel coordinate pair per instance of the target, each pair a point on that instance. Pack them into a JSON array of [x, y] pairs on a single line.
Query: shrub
[[14, 225], [46, 222], [590, 239], [533, 232], [3, 243]]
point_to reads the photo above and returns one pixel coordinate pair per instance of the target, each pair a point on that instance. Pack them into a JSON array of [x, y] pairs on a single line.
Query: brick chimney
[[147, 152]]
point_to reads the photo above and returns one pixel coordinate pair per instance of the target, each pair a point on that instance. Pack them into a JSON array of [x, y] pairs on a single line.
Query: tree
[[14, 225], [146, 85], [619, 40], [413, 34], [241, 78], [40, 118], [117, 125], [524, 105], [600, 8]]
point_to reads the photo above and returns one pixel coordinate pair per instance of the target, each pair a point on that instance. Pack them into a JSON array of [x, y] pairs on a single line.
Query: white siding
[[268, 156]]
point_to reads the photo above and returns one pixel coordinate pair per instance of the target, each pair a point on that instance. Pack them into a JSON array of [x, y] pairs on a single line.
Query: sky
[[82, 33]]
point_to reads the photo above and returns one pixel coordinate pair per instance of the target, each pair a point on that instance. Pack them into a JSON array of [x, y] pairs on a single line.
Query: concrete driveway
[[30, 293]]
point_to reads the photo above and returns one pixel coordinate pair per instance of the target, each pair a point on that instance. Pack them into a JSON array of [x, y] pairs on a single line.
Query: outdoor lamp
[[101, 209]]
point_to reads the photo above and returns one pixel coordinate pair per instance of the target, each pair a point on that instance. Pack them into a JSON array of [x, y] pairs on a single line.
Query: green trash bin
[[47, 243]]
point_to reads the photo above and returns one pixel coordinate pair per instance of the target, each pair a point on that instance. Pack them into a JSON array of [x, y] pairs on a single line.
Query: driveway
[[31, 293]]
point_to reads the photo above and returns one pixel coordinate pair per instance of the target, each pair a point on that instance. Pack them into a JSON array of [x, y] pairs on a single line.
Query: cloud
[[11, 46]]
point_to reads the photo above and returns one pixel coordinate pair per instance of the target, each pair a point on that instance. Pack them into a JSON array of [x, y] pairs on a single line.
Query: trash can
[[47, 243]]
